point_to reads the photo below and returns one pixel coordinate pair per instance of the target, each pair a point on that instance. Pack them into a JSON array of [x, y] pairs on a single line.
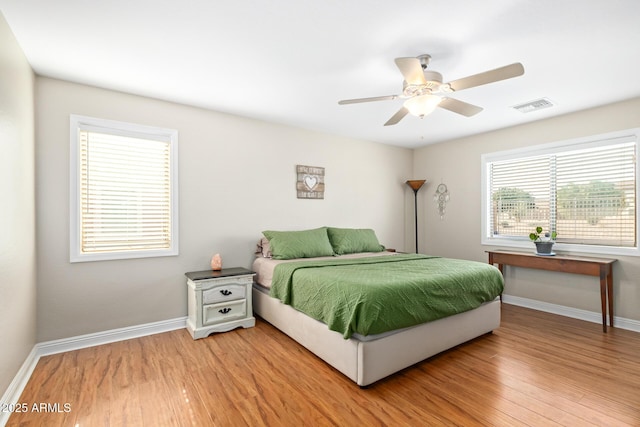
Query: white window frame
[[545, 149], [80, 123]]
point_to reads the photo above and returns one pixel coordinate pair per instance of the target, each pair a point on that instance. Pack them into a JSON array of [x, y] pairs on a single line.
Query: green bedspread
[[377, 294]]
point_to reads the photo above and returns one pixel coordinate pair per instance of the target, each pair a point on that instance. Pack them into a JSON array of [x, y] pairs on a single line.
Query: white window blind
[[585, 192], [125, 198], [596, 196]]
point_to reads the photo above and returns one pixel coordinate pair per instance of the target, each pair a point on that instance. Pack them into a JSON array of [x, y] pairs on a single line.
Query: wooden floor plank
[[537, 369]]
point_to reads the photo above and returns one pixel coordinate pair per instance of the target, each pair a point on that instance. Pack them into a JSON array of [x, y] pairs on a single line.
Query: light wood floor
[[537, 369]]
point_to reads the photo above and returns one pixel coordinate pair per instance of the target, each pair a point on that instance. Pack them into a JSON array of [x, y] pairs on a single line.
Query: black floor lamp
[[415, 185]]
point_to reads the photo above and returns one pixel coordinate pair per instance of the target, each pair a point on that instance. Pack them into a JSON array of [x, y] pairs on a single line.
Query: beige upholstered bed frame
[[367, 361]]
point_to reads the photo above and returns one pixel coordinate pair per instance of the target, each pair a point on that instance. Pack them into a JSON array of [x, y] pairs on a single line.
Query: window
[[585, 190], [124, 190]]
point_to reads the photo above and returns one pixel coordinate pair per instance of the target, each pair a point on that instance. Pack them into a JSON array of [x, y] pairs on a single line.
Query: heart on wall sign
[[309, 182]]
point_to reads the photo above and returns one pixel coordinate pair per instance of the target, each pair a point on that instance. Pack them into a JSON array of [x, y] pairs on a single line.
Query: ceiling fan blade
[[397, 116], [459, 107], [374, 98], [502, 73], [411, 70]]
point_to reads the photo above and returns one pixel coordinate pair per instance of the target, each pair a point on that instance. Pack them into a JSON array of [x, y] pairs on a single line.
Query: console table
[[599, 267]]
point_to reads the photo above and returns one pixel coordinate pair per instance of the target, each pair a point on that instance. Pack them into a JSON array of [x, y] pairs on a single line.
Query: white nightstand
[[219, 301]]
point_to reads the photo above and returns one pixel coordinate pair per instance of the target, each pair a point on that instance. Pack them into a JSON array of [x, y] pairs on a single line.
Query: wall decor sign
[[310, 182]]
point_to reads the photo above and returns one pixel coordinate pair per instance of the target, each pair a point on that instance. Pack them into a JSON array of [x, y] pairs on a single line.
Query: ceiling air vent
[[537, 104]]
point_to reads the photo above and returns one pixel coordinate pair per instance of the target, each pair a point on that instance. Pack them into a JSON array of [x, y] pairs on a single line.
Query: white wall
[[237, 178], [457, 164], [17, 210]]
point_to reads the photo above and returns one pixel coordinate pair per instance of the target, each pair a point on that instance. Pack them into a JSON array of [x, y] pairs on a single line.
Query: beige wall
[[237, 178], [17, 211], [457, 164]]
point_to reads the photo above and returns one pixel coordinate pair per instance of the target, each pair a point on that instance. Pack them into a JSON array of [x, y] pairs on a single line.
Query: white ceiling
[[290, 61]]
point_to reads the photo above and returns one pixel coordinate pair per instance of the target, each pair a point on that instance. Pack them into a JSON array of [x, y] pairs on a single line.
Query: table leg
[[500, 267], [610, 293], [603, 297]]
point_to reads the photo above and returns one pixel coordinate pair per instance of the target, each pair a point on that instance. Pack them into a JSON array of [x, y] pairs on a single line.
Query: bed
[[332, 290]]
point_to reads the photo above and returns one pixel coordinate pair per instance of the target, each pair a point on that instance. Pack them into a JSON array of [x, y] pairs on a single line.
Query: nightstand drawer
[[216, 313], [223, 293]]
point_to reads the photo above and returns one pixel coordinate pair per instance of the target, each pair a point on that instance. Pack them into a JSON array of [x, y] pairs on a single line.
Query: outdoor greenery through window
[[124, 199], [583, 190]]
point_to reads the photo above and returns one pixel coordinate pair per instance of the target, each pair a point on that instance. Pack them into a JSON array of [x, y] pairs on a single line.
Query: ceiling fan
[[421, 88]]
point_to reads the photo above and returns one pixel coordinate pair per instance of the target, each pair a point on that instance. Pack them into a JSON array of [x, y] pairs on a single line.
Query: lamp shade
[[422, 105], [416, 184]]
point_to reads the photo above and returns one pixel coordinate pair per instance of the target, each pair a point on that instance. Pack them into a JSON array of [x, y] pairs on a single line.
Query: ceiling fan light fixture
[[422, 105], [420, 86], [432, 83]]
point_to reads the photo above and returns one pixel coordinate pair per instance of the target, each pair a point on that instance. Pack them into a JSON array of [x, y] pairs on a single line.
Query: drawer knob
[[224, 310], [225, 292]]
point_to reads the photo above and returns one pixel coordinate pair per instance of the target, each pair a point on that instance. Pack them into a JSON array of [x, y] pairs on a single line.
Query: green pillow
[[353, 240], [299, 244]]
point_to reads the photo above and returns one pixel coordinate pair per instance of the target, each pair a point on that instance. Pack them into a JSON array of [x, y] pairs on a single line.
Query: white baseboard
[[84, 341], [12, 394], [575, 313]]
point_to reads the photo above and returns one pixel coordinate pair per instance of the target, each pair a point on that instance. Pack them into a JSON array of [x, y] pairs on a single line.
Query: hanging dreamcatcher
[[441, 197]]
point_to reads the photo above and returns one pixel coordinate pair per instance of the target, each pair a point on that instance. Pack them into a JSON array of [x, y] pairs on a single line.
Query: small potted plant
[[544, 242]]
